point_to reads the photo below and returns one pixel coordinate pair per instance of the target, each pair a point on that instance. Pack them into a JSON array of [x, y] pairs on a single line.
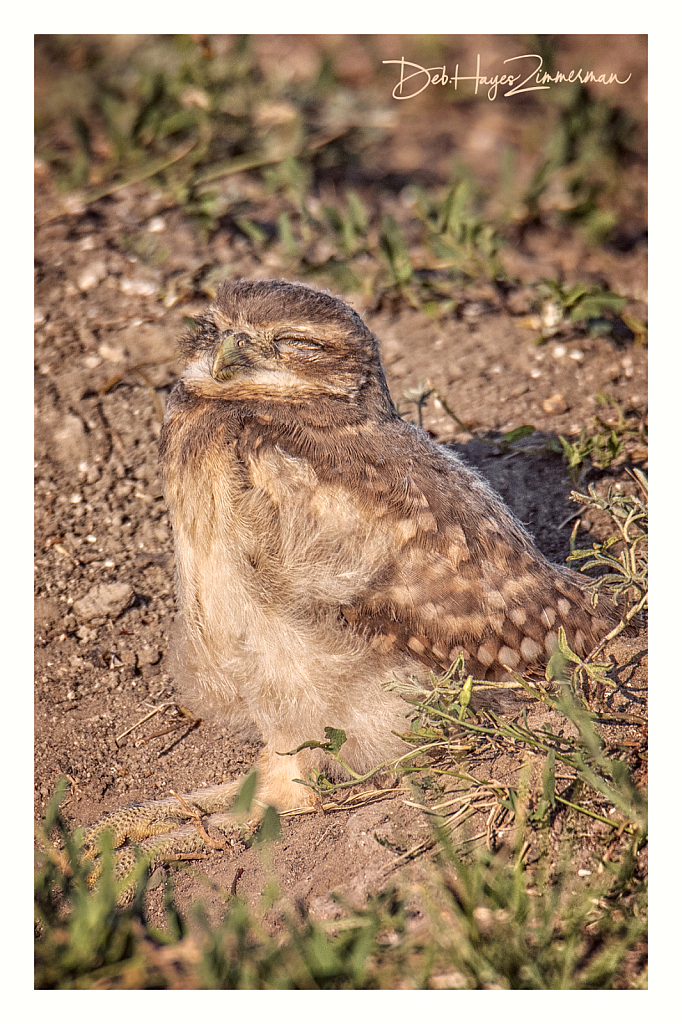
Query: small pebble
[[92, 275], [137, 286], [104, 600], [148, 656], [551, 315], [112, 353], [555, 404]]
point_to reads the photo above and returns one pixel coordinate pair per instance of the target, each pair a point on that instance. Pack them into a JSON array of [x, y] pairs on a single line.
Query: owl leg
[[278, 772]]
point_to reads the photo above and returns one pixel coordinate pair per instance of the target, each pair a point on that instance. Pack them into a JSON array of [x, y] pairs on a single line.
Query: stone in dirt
[[104, 600]]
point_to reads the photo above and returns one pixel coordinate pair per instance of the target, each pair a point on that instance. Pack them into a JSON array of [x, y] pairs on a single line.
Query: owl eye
[[240, 340], [297, 346]]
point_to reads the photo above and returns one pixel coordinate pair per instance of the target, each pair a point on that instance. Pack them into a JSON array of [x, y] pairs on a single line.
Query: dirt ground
[[105, 710]]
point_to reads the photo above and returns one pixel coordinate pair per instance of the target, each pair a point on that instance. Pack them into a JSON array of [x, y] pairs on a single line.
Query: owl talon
[[195, 817]]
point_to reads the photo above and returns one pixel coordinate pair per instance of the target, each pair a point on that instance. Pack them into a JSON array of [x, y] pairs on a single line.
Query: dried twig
[[155, 711], [233, 887], [193, 724]]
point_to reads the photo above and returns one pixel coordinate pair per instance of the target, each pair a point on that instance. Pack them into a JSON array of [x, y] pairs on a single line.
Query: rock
[[114, 353], [69, 444], [103, 600], [148, 656], [138, 286], [556, 404], [91, 276]]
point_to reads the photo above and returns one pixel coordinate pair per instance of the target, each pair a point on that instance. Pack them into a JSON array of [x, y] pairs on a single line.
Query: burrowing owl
[[325, 547]]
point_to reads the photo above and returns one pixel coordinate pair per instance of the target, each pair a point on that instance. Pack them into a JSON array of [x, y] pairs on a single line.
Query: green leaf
[[336, 739], [575, 453], [549, 779], [286, 234], [396, 251], [576, 292], [358, 213], [518, 432], [269, 828], [251, 230], [564, 648], [244, 798], [594, 306], [556, 667], [465, 696], [561, 656], [333, 217]]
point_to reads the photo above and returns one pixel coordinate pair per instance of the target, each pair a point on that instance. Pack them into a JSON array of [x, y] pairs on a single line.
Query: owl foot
[[164, 830], [175, 828]]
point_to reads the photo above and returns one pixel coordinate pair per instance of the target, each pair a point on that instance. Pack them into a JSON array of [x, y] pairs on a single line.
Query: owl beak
[[224, 364]]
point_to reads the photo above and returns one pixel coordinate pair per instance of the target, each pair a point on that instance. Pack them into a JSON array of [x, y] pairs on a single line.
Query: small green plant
[[460, 240], [176, 114], [602, 449], [625, 574], [396, 254], [590, 305], [350, 226], [577, 174], [606, 444], [81, 932]]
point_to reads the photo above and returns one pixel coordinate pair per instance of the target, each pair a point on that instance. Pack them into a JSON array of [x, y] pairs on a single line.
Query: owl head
[[278, 340]]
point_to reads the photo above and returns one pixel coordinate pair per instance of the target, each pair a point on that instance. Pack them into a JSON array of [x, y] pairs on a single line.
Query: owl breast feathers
[[323, 545]]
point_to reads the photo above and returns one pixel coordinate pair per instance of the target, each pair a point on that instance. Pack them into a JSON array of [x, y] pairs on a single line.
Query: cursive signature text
[[533, 80]]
